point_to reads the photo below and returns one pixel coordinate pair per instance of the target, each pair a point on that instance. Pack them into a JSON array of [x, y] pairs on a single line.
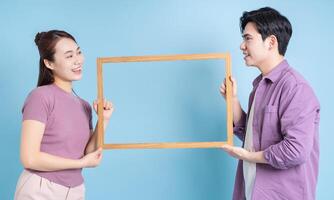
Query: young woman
[[57, 133]]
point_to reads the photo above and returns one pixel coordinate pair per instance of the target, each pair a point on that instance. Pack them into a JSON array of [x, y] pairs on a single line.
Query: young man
[[280, 154]]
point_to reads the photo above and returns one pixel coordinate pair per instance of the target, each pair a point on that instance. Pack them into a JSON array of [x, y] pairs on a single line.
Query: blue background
[[174, 101]]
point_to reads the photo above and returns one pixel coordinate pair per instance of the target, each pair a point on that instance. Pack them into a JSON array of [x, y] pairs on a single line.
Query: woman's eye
[[70, 56]]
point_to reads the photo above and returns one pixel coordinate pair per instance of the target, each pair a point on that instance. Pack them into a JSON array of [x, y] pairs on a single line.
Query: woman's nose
[[79, 59]]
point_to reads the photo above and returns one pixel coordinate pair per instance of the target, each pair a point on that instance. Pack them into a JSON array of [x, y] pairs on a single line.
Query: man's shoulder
[[292, 77], [294, 83]]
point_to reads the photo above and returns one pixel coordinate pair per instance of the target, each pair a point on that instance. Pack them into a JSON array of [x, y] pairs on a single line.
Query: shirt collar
[[274, 74]]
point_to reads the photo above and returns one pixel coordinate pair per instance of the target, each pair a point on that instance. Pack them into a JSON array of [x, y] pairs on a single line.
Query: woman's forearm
[[42, 161], [91, 146]]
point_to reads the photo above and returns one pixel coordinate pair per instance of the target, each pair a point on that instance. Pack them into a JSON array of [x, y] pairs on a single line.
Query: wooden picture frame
[[229, 114]]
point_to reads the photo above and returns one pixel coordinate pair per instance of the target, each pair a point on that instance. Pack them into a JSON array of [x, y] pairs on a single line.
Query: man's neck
[[267, 66]]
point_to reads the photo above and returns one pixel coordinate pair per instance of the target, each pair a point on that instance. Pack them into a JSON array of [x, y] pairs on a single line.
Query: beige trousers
[[31, 186]]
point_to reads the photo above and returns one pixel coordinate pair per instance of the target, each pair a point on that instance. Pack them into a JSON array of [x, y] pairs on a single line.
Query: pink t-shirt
[[68, 121]]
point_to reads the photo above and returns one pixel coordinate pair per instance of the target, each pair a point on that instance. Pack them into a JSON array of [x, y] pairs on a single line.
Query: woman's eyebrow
[[70, 51]]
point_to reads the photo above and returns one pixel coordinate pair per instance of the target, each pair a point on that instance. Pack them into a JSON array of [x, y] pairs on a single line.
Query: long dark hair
[[46, 42]]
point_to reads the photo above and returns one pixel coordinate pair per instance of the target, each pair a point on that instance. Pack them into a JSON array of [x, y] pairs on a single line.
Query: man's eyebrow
[[246, 34]]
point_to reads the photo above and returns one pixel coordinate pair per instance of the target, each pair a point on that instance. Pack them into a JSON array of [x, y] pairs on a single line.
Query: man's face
[[255, 50]]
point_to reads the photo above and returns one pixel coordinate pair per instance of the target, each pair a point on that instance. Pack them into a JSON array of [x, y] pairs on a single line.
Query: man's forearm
[[256, 157], [237, 110]]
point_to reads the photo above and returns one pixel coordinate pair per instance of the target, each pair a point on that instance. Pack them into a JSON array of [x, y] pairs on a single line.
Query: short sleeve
[[35, 107], [88, 111], [90, 116]]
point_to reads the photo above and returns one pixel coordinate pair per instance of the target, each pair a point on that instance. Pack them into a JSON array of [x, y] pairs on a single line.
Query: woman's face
[[68, 61]]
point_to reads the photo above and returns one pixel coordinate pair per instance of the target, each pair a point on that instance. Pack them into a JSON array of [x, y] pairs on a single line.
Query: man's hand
[[222, 88], [243, 154], [236, 152]]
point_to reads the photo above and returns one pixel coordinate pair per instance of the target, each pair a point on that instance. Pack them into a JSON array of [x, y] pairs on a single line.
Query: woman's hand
[[108, 109], [92, 159]]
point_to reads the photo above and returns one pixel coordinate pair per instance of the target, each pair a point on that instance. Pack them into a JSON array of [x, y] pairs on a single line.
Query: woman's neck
[[64, 85]]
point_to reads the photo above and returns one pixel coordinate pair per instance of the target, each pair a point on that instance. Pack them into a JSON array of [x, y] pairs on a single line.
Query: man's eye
[[70, 56]]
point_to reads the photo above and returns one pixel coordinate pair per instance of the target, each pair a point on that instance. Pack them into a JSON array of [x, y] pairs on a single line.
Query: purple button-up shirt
[[285, 127]]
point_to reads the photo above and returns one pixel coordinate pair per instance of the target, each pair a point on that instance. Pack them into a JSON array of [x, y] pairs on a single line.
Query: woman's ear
[[48, 64]]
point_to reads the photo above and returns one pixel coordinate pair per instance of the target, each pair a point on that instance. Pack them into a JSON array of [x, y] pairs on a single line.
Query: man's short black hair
[[268, 22]]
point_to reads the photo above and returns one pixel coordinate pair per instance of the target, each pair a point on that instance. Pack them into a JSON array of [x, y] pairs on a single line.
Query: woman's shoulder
[[40, 100], [42, 92]]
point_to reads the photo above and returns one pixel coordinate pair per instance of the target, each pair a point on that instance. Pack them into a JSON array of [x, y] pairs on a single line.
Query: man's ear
[[48, 64], [272, 40]]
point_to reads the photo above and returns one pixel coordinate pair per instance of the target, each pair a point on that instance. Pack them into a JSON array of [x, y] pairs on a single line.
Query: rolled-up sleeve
[[299, 114]]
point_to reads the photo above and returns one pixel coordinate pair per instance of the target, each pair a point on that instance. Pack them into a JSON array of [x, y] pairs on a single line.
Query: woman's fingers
[[107, 105]]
